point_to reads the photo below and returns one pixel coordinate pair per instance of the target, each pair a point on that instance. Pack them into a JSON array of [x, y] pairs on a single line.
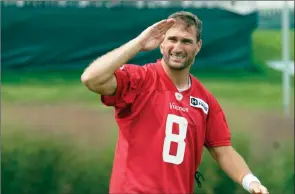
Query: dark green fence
[[69, 38]]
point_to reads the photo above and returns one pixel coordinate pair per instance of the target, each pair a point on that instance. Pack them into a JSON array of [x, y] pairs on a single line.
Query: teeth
[[177, 56]]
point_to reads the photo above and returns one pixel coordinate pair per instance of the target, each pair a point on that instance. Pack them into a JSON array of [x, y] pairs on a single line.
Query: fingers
[[164, 25], [263, 190], [168, 25], [160, 23], [164, 22], [259, 190], [256, 190], [171, 20]]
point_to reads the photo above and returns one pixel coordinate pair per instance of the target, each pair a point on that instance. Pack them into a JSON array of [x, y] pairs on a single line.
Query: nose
[[177, 48]]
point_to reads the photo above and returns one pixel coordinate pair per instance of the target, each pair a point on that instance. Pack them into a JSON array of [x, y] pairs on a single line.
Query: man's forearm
[[103, 68], [233, 164]]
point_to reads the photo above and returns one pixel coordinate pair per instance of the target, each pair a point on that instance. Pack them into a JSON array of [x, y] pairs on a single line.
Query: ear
[[198, 47]]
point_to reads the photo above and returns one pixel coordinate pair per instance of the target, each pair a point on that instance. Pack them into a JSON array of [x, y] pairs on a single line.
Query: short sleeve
[[130, 79], [217, 131]]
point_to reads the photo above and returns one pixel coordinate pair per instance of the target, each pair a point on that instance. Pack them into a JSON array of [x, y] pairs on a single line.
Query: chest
[[175, 110]]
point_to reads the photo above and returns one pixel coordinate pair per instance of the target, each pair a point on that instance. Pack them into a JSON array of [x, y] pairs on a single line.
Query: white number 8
[[178, 138]]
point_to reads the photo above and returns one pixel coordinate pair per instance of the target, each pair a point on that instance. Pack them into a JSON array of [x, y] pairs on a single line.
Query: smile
[[177, 56]]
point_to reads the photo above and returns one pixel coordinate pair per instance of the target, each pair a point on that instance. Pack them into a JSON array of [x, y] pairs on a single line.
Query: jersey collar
[[167, 79]]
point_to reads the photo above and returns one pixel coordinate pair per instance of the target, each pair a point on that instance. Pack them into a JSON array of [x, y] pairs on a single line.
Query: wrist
[[137, 44], [247, 180]]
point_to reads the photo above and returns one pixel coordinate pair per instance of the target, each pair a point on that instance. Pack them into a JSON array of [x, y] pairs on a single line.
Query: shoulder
[[142, 74], [200, 88], [145, 70], [136, 68]]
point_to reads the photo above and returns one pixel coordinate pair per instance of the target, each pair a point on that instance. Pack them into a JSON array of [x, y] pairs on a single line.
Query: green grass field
[[252, 102]]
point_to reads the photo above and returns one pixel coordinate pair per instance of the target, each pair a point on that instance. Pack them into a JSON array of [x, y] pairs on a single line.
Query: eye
[[187, 41], [172, 39]]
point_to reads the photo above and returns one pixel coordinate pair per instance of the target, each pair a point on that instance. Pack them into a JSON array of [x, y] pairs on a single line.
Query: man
[[164, 114]]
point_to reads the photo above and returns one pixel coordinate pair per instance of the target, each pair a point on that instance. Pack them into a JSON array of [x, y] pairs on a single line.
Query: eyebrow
[[183, 39]]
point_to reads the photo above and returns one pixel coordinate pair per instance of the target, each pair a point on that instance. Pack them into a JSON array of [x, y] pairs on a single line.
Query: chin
[[177, 67]]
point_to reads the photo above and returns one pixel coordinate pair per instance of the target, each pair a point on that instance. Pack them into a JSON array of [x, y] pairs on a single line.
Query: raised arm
[[99, 75]]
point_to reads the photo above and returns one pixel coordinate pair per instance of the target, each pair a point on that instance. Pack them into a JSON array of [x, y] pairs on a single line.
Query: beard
[[187, 63]]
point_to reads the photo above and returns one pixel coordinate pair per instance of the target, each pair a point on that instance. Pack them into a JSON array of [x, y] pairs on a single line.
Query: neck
[[178, 77]]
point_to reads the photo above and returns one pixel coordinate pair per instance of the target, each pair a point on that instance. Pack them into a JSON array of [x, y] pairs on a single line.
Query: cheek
[[193, 51], [166, 49]]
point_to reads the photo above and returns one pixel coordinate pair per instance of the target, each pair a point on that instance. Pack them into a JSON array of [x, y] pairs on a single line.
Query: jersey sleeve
[[130, 79], [217, 131]]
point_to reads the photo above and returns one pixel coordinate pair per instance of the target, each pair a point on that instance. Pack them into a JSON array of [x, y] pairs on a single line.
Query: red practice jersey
[[162, 132]]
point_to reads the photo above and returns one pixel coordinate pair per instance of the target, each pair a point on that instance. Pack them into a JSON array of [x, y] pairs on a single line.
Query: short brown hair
[[189, 19]]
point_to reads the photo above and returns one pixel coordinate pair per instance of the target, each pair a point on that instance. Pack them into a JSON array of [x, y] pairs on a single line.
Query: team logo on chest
[[176, 107], [178, 96], [199, 103]]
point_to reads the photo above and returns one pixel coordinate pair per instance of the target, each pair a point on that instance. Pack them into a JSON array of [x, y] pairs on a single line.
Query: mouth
[[177, 57]]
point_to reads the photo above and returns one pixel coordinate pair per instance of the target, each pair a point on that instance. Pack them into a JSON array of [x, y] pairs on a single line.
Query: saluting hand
[[154, 35]]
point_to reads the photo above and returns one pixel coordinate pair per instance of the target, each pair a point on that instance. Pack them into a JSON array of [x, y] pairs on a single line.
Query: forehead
[[181, 30]]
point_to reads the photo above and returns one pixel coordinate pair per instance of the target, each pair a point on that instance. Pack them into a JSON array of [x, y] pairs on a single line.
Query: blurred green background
[[57, 138]]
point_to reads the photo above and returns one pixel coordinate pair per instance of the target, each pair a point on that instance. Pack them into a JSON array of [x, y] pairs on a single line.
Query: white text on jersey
[[173, 106]]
